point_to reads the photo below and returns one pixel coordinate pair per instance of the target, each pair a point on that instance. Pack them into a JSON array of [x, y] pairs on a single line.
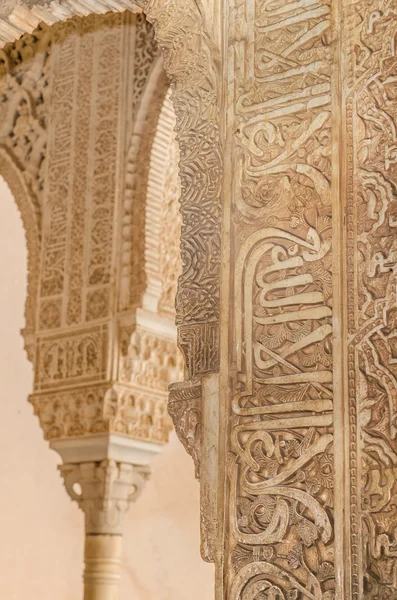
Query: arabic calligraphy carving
[[281, 461]]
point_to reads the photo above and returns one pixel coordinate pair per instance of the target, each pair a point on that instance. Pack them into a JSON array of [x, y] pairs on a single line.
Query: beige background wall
[[41, 542]]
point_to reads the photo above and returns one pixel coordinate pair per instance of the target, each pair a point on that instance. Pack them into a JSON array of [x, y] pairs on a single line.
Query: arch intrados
[[31, 223], [138, 166], [163, 140]]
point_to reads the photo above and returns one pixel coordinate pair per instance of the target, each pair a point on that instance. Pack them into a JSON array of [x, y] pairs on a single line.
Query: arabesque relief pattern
[[24, 94], [371, 213], [190, 65], [90, 107], [280, 75], [281, 463]]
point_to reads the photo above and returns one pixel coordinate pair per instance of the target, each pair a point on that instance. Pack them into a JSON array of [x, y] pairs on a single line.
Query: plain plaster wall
[[41, 542]]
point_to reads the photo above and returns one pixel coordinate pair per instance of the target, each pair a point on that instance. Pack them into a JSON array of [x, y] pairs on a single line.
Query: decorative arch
[[32, 227], [190, 63]]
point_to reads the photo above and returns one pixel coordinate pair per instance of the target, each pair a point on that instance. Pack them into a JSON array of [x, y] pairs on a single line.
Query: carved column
[[86, 132], [295, 440]]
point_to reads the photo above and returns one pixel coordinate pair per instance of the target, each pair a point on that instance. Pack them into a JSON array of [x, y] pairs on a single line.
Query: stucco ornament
[[70, 104], [286, 125]]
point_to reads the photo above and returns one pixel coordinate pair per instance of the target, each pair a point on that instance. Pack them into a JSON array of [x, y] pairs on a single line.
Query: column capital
[[104, 491], [104, 474]]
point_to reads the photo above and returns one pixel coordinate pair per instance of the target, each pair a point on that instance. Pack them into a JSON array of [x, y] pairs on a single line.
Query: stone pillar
[[83, 105], [289, 125], [102, 557]]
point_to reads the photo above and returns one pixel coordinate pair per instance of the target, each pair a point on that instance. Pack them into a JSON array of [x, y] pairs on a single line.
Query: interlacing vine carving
[[371, 210], [189, 63]]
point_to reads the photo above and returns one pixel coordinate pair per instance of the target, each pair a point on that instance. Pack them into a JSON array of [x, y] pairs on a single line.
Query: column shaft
[[102, 567]]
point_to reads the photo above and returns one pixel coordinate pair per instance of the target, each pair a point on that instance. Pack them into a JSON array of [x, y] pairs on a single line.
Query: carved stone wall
[[285, 121], [280, 466]]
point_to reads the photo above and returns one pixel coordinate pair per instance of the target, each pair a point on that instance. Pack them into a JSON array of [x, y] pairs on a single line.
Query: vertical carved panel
[[82, 169], [58, 181], [189, 62], [281, 465], [371, 213], [81, 175], [96, 370]]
